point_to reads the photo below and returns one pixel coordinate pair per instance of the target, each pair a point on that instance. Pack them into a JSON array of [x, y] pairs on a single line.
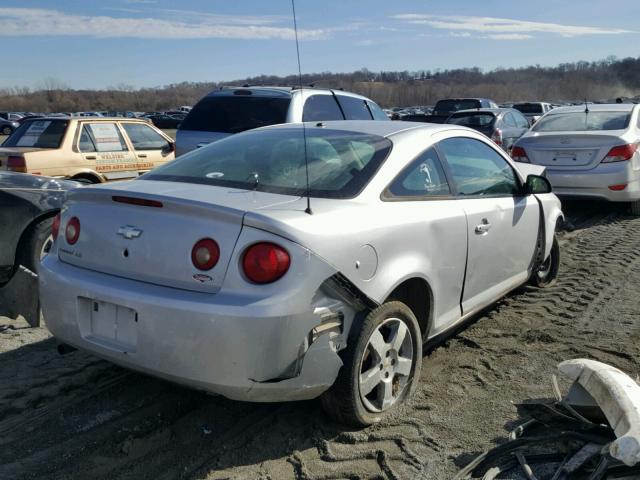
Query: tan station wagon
[[92, 149]]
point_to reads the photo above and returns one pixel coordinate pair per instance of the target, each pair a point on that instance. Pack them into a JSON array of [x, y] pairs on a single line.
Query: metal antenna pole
[[304, 130]]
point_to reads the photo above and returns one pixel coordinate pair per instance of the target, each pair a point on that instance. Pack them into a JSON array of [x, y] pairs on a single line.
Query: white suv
[[235, 109]]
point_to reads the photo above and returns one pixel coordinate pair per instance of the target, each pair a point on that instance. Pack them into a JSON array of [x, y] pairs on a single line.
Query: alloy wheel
[[385, 366]]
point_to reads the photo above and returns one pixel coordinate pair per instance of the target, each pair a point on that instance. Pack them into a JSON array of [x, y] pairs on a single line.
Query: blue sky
[[142, 43]]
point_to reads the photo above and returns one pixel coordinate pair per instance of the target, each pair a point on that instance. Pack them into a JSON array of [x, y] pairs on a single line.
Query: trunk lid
[[153, 244], [570, 150]]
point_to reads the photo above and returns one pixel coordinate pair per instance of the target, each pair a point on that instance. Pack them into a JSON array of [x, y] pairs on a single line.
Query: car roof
[[595, 107], [531, 103], [485, 110], [457, 99], [277, 91], [382, 129]]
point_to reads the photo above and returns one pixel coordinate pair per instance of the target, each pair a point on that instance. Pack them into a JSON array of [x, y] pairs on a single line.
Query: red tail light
[[617, 188], [55, 228], [265, 262], [16, 163], [519, 155], [205, 254], [497, 136], [621, 153], [72, 232]]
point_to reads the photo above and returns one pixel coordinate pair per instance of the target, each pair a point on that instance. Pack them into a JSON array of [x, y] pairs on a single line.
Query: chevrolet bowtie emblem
[[129, 231]]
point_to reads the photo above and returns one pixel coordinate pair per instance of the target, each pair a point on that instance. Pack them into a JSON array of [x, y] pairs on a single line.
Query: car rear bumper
[[252, 351], [595, 182]]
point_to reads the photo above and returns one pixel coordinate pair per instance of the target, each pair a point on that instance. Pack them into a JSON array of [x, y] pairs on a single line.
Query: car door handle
[[484, 227], [203, 144], [142, 155], [91, 157]]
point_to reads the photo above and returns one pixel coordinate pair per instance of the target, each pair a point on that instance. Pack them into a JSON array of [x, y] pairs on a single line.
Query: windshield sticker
[[30, 137], [106, 137]]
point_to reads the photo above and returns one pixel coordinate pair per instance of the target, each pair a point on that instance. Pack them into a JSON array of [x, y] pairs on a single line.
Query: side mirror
[[538, 184], [171, 147]]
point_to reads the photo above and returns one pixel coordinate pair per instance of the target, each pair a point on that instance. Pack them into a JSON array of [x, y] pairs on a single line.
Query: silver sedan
[[294, 261], [589, 151]]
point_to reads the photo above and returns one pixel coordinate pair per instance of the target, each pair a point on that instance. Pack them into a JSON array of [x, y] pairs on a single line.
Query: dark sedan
[[166, 121]]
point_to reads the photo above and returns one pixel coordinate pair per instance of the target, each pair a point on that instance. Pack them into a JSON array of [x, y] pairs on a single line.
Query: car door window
[[424, 177], [143, 137], [321, 107], [354, 108], [106, 137], [477, 168]]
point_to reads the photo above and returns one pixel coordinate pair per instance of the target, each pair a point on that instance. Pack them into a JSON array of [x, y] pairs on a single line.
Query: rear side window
[[521, 121], [581, 121], [354, 108], [472, 119], [377, 112], [234, 114], [477, 169], [320, 108], [144, 137], [38, 134], [424, 177], [509, 121]]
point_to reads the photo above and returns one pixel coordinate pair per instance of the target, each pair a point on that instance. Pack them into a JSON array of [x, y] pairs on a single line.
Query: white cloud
[[191, 15], [501, 26], [44, 22], [459, 34], [508, 36]]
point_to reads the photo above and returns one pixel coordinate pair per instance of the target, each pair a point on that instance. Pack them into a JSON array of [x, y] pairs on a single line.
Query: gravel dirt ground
[[76, 417]]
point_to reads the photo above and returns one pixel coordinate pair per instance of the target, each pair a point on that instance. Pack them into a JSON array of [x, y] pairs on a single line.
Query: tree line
[[600, 80]]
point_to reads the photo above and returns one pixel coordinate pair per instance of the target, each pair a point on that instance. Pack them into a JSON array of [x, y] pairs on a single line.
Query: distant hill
[[601, 80]]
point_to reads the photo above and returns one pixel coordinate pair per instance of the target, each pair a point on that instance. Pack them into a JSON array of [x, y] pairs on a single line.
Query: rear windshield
[[530, 108], [581, 121], [38, 134], [473, 120], [455, 105], [340, 163], [235, 114]]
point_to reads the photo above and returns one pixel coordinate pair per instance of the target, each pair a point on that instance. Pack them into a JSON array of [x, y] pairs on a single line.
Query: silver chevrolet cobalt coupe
[[211, 271]]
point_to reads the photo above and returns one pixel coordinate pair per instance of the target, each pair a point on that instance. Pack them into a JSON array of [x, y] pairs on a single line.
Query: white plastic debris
[[618, 396]]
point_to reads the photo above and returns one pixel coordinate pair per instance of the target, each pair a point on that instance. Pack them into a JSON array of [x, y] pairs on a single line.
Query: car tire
[[37, 241], [394, 368], [635, 208], [7, 130], [547, 273]]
